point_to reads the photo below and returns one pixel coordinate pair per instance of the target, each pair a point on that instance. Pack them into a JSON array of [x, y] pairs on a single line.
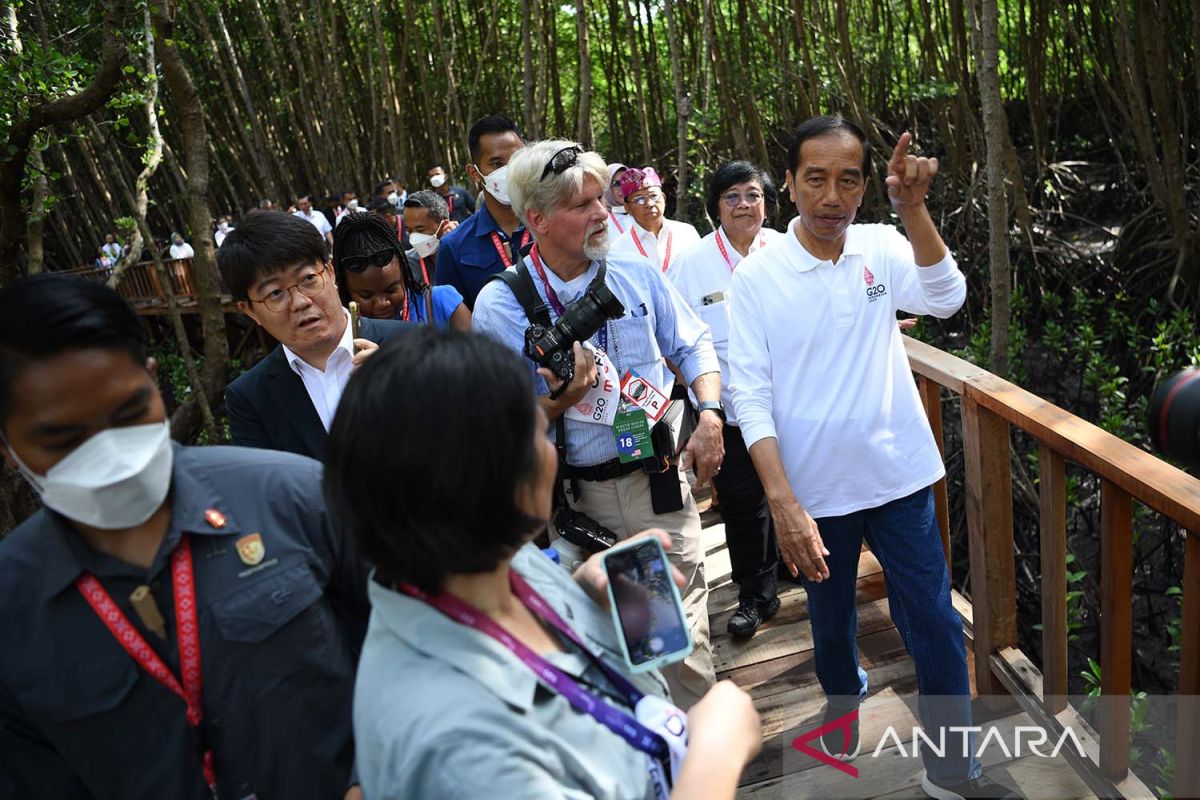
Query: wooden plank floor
[[776, 668]]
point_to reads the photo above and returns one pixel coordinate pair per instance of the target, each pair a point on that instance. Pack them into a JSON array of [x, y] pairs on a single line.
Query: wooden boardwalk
[[776, 667]]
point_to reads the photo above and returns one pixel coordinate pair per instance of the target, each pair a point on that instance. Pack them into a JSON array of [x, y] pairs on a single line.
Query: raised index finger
[[897, 159]]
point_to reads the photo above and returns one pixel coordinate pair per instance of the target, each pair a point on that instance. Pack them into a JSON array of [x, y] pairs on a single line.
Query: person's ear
[[536, 221], [245, 308], [474, 174]]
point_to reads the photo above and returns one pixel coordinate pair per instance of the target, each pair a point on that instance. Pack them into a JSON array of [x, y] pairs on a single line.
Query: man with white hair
[[615, 398]]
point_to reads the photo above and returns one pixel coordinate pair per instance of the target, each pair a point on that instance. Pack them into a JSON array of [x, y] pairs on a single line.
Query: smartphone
[[646, 608]]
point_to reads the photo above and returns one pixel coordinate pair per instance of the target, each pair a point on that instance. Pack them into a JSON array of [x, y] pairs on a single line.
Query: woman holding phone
[[488, 670]]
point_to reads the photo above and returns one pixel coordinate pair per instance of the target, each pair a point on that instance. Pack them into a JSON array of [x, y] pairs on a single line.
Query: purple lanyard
[[556, 304], [617, 721]]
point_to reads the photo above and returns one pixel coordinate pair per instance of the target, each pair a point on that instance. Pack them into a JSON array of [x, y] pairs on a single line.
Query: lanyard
[[404, 311], [612, 215], [611, 717], [556, 304], [725, 253], [450, 203], [187, 632], [498, 243], [667, 259], [424, 271]]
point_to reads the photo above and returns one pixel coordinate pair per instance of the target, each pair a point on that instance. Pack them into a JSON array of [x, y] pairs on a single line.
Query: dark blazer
[[269, 407]]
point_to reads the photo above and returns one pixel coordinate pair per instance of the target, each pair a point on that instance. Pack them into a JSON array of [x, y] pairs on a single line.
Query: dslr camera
[[552, 347], [582, 531]]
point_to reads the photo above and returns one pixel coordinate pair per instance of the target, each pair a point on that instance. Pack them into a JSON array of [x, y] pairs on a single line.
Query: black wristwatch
[[712, 405]]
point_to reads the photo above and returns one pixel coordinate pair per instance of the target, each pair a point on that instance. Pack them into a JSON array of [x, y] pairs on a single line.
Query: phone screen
[[644, 597]]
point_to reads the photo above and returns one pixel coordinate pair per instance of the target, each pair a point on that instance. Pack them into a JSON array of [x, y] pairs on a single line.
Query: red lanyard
[[424, 271], [500, 248], [187, 632], [404, 311], [725, 253], [615, 221], [450, 203], [551, 295], [667, 259]]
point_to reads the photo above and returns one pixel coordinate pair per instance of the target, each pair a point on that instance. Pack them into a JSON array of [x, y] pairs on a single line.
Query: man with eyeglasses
[[740, 197], [277, 272], [651, 236], [556, 189]]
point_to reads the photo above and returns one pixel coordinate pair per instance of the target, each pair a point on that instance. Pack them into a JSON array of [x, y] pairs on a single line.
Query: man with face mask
[[493, 238], [458, 200], [180, 248], [427, 218], [167, 632]]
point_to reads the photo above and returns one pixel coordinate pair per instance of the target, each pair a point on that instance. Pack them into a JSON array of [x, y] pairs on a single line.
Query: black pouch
[[663, 473]]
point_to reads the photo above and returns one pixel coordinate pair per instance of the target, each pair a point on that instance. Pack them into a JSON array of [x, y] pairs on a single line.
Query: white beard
[[596, 252]]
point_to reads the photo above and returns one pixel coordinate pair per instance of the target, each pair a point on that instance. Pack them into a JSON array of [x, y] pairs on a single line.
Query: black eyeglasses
[[562, 161], [380, 258]]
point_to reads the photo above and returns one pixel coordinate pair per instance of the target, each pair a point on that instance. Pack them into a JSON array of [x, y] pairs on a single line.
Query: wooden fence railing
[[140, 284], [990, 405]]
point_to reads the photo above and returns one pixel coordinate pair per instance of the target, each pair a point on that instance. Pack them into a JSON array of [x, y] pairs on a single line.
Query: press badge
[[633, 435], [645, 395], [599, 405]]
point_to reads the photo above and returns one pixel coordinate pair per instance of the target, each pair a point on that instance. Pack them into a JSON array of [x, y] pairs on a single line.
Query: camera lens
[[1175, 417]]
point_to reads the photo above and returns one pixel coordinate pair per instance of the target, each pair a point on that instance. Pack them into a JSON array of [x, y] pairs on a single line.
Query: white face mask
[[116, 479], [496, 184], [352, 205], [437, 181], [223, 226], [394, 198], [424, 244]]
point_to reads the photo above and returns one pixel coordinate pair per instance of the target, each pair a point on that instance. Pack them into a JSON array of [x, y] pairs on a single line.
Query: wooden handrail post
[[1053, 516], [1116, 627], [931, 398], [990, 530], [1187, 769]]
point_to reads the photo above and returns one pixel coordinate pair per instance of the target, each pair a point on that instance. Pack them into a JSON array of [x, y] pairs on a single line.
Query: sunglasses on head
[[562, 161], [380, 258]]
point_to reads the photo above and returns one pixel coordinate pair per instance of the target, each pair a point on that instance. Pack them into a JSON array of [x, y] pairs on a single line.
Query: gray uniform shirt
[[444, 711]]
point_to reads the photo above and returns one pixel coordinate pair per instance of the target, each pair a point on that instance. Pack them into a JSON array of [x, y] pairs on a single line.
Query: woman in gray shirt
[[439, 464]]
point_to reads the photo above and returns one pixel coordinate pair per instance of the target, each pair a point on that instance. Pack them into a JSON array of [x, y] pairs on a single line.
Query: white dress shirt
[[325, 387], [703, 276], [674, 240], [618, 223], [182, 251], [317, 219], [817, 361]]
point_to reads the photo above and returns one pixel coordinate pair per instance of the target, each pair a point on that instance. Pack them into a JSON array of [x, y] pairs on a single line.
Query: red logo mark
[[868, 277], [842, 723]]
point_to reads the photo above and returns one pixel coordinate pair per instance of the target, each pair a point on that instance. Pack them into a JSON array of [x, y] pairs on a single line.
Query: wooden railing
[[140, 284], [990, 405]]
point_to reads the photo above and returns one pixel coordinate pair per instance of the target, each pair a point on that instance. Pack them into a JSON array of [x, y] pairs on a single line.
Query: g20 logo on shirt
[[874, 291]]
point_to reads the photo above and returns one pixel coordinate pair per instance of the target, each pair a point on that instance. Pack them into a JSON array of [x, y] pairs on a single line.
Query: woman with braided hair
[[375, 272]]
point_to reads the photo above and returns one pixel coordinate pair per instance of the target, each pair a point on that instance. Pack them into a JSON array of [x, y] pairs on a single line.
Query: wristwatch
[[712, 405]]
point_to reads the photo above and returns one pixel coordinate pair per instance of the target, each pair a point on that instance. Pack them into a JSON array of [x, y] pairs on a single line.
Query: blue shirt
[[658, 322], [446, 300], [279, 639], [467, 255]]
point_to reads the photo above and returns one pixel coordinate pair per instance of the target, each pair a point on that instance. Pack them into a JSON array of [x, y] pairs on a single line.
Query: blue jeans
[[903, 535]]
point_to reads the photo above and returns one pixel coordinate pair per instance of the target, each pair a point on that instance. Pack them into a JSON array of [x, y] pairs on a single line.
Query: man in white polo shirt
[[833, 421]]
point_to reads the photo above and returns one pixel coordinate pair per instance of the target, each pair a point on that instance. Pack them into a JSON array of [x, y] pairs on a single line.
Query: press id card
[[599, 405], [645, 395], [633, 435]]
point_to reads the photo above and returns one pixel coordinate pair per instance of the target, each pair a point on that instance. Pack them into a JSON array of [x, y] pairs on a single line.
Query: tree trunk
[[987, 47], [583, 128], [13, 228], [683, 109], [186, 418]]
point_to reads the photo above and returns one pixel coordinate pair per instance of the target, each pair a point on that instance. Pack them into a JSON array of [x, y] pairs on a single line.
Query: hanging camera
[[552, 346]]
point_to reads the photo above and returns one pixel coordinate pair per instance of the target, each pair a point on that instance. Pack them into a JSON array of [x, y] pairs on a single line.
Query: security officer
[[168, 631]]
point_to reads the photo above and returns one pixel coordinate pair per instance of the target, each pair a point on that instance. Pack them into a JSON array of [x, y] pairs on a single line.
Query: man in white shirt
[[833, 422], [112, 248], [276, 270], [180, 248], [651, 235], [304, 210], [740, 197]]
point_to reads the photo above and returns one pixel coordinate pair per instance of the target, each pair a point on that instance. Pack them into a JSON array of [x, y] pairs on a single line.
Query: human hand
[[355, 792], [705, 449], [909, 176], [724, 725], [363, 348], [591, 575], [799, 540], [586, 376], [907, 324], [447, 226]]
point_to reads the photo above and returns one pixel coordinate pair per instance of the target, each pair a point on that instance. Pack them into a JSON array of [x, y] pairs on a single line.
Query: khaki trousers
[[623, 506]]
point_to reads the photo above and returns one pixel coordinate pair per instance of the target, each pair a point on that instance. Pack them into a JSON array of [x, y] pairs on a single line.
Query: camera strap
[[625, 725]]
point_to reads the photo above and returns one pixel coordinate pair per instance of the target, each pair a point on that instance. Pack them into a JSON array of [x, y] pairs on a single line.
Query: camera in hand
[[552, 347], [1175, 417], [582, 531]]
